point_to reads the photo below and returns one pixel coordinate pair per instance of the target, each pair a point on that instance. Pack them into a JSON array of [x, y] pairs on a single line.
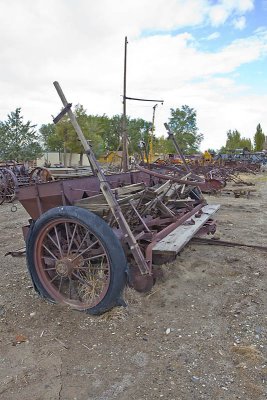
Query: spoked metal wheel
[[11, 185], [3, 187], [75, 258], [40, 175]]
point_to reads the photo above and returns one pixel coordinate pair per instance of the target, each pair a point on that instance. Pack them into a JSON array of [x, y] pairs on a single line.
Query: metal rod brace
[[62, 113], [144, 267]]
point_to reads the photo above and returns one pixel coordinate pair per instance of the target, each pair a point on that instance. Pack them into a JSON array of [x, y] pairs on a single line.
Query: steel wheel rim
[[3, 187], [40, 175], [72, 263], [12, 184]]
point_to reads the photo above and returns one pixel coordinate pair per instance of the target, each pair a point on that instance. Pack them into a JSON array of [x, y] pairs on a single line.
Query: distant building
[[54, 159]]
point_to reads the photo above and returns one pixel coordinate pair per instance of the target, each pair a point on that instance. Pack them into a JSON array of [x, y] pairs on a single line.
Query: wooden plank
[[176, 240], [135, 187]]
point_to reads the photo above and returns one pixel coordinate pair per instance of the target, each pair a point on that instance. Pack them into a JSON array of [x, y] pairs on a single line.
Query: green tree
[[19, 140], [93, 129], [162, 145], [112, 131], [51, 140], [235, 141], [184, 126], [137, 130], [246, 144], [63, 138], [259, 138]]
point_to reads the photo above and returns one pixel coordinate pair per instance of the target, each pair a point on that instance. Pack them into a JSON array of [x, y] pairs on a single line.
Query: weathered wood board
[[176, 240]]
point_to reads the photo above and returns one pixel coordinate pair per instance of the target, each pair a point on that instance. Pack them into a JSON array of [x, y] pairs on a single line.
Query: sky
[[208, 54]]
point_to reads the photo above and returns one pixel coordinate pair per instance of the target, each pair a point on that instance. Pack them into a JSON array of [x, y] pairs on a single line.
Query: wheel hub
[[66, 265]]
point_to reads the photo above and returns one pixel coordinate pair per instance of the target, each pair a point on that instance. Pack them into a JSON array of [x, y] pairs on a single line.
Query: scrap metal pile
[[216, 173]]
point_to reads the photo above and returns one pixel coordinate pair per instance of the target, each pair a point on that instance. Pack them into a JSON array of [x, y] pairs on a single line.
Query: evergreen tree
[[19, 140], [235, 141], [259, 138]]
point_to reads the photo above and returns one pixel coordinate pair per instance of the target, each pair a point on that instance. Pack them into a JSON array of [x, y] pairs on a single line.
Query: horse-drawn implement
[[88, 237]]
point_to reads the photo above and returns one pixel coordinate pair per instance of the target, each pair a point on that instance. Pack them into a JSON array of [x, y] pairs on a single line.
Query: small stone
[[195, 379], [168, 330], [32, 314]]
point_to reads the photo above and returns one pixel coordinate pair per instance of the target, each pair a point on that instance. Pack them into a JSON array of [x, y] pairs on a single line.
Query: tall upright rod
[[152, 133], [125, 157], [177, 148]]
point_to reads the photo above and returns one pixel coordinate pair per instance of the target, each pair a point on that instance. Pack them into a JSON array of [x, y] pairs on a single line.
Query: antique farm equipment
[[9, 184], [90, 236], [13, 176]]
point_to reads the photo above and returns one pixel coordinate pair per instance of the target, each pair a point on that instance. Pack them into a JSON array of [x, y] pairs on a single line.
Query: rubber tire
[[112, 245], [195, 194]]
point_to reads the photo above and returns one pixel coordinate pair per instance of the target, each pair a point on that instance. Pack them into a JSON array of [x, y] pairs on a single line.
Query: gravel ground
[[199, 334]]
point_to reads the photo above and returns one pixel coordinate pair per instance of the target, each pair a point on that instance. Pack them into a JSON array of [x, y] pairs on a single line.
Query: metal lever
[[106, 190], [177, 148]]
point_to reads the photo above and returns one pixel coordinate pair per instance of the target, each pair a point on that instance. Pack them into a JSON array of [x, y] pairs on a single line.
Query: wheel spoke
[[72, 289], [50, 252], [82, 242], [52, 240], [81, 279], [60, 283], [72, 238], [94, 267], [48, 260], [94, 257], [67, 235], [59, 247], [56, 276], [88, 248]]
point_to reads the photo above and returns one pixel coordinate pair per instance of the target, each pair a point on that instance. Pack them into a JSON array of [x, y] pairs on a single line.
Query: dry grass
[[248, 353], [115, 314]]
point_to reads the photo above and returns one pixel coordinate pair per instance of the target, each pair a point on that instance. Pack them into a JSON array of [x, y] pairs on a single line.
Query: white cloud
[[213, 36], [224, 9], [80, 43], [239, 23]]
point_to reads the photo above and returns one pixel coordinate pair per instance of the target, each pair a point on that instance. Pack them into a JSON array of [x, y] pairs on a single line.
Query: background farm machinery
[[15, 175]]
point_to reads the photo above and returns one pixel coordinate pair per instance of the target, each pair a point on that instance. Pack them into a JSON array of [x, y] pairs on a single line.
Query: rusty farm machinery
[[15, 175], [90, 236]]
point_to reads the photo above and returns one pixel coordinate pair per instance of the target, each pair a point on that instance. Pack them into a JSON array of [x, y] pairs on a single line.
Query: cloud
[[219, 13], [81, 44], [239, 23], [213, 36]]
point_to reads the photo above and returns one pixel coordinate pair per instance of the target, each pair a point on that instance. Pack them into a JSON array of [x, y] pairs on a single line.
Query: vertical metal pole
[[151, 138], [177, 148], [125, 157]]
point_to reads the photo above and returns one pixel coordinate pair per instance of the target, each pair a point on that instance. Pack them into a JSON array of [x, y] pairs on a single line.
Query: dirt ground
[[199, 334]]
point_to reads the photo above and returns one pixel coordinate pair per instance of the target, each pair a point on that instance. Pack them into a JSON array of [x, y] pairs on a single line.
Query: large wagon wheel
[[12, 185], [3, 187], [40, 175], [75, 258]]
